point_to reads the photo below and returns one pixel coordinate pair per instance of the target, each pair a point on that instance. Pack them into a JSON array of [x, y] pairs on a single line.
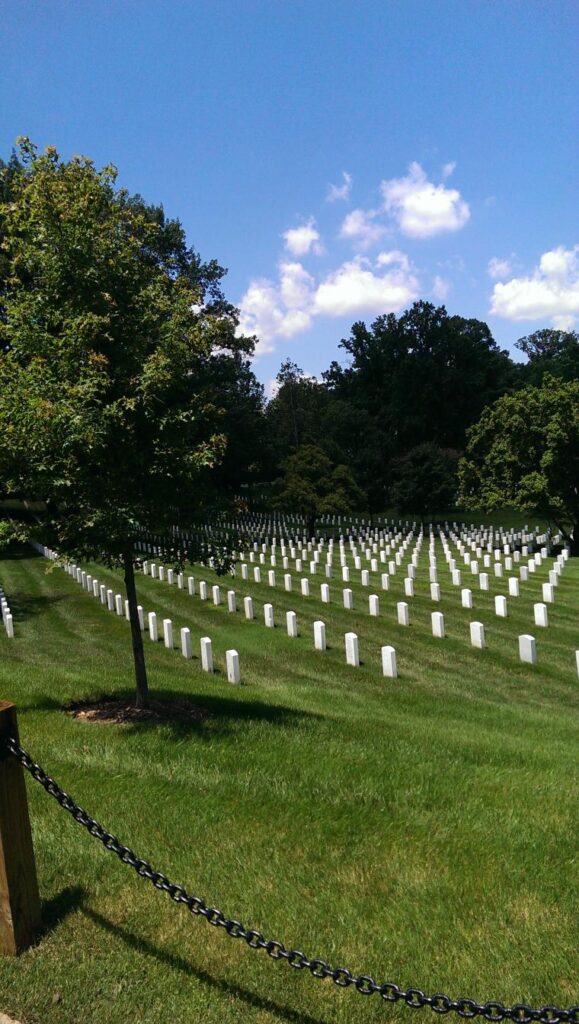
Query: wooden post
[[19, 899]]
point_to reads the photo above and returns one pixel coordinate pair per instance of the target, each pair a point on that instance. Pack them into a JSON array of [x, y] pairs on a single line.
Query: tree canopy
[[524, 452], [111, 329]]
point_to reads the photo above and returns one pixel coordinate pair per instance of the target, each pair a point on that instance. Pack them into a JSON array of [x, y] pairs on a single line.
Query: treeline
[[388, 426]]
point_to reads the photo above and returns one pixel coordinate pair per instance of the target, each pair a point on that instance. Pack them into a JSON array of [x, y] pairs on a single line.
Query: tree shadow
[[218, 716], [18, 552], [185, 714], [177, 963], [25, 607]]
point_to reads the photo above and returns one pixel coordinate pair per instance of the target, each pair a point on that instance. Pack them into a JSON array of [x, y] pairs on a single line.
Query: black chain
[[341, 976]]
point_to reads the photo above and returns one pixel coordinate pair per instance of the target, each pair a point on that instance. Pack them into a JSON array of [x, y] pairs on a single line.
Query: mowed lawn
[[422, 830]]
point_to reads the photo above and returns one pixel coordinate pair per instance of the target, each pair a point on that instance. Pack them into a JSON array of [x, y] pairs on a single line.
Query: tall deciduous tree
[[524, 452], [109, 324], [424, 481], [314, 486]]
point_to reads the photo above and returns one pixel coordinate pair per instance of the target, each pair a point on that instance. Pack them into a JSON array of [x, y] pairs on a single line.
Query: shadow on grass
[[177, 963], [218, 715], [54, 911], [25, 607], [17, 552]]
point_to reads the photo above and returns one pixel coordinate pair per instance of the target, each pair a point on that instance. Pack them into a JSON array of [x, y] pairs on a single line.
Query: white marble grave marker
[[403, 613], [352, 652], [153, 630], [186, 643], [528, 649], [206, 654], [268, 615], [437, 619], [389, 662], [232, 664], [477, 635], [291, 624], [320, 636]]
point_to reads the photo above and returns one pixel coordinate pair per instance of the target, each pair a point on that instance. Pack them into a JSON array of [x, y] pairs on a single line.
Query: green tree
[[425, 481], [524, 452], [314, 486], [550, 351], [109, 324]]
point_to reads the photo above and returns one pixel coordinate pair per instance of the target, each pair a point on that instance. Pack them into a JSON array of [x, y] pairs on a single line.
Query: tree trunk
[[137, 637], [574, 541]]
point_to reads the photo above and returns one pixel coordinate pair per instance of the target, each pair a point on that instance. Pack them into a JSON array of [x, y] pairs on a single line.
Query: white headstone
[[352, 652], [409, 587], [216, 594], [437, 619], [348, 598], [161, 572], [291, 623], [9, 625], [271, 578], [248, 607], [477, 634], [435, 592], [548, 593], [466, 598], [168, 633], [403, 613], [365, 578], [141, 615], [287, 582], [320, 636], [305, 587], [513, 586], [501, 606], [191, 585], [206, 654], [484, 580], [203, 590], [389, 662], [153, 631], [110, 600], [541, 614], [257, 574], [186, 643], [268, 615], [385, 581], [170, 576], [232, 665], [528, 649]]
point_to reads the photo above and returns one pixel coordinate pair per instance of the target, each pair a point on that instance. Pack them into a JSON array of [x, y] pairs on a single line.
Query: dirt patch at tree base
[[119, 711]]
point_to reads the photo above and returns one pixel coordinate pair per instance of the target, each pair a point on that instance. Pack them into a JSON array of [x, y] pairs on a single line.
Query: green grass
[[422, 830]]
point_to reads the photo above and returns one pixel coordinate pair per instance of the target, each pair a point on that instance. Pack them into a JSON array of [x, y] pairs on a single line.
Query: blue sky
[[448, 131]]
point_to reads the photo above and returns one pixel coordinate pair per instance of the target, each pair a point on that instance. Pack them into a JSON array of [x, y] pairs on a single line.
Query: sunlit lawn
[[421, 830]]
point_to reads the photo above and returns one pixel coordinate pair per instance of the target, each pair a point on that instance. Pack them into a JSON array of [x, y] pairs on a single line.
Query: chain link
[[363, 983]]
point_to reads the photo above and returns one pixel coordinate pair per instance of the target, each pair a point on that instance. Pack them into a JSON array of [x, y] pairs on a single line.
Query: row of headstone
[[7, 617]]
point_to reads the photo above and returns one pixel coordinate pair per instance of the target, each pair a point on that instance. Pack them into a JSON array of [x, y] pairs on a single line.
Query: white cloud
[[295, 286], [360, 227], [263, 312], [440, 288], [552, 290], [354, 288], [499, 268], [306, 238], [288, 307], [340, 191], [448, 169], [384, 259], [422, 209]]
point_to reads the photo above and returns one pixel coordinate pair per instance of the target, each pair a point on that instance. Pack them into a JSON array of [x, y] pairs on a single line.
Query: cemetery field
[[420, 829]]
